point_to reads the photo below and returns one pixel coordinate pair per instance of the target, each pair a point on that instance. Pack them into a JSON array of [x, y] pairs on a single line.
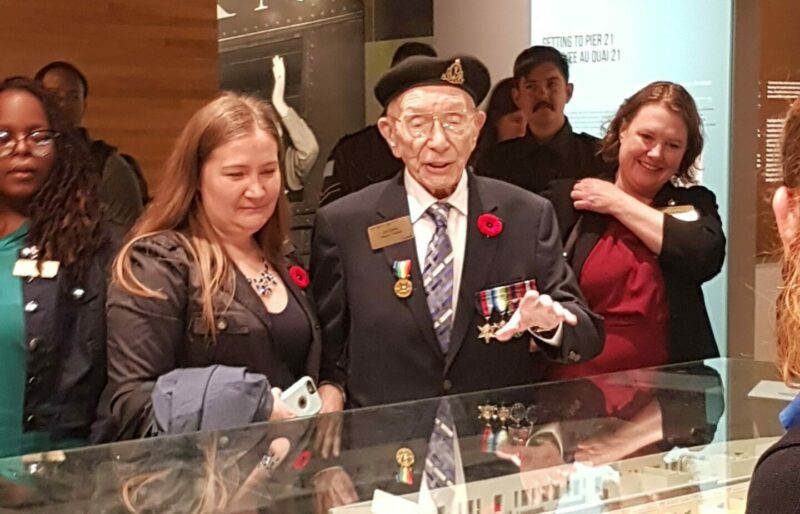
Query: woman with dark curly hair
[[54, 257], [641, 243]]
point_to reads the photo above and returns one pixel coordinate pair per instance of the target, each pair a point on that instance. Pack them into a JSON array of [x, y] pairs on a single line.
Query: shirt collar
[[419, 199]]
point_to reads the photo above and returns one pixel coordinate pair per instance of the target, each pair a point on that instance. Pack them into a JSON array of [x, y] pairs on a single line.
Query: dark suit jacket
[[774, 486], [149, 337], [383, 349], [692, 253]]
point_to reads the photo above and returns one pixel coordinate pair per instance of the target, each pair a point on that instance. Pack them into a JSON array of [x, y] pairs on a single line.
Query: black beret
[[463, 72]]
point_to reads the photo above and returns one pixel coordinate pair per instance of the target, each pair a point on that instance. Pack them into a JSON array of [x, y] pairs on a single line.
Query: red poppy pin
[[302, 460], [490, 225], [299, 276]]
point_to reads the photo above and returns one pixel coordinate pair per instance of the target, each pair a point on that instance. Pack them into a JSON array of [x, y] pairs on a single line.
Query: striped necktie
[[440, 465], [437, 275]]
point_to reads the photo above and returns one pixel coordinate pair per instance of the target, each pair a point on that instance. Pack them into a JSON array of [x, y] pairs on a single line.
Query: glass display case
[[675, 439]]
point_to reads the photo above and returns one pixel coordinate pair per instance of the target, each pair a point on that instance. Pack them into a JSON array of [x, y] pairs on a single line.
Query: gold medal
[[403, 288], [405, 459], [486, 332]]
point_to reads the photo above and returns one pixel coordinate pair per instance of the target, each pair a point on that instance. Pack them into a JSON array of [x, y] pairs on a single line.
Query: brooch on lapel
[[402, 272], [490, 225], [299, 276]]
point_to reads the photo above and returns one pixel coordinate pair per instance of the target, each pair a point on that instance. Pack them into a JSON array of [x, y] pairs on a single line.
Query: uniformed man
[[363, 158], [414, 276], [550, 150]]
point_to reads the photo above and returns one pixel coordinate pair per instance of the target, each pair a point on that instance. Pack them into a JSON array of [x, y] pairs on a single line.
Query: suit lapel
[[394, 204], [591, 230], [478, 258]]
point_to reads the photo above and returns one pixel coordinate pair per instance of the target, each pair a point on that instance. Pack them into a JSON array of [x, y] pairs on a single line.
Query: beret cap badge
[[454, 74]]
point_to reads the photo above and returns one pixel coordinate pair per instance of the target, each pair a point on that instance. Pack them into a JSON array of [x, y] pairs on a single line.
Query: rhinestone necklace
[[264, 283]]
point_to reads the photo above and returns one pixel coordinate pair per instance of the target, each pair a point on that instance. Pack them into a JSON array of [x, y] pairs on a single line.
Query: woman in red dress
[[641, 245]]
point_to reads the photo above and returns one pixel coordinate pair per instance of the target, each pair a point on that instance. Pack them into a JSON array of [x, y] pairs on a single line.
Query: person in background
[[641, 246], [54, 258], [124, 190], [363, 158], [550, 150], [504, 120], [205, 295], [773, 488], [302, 151]]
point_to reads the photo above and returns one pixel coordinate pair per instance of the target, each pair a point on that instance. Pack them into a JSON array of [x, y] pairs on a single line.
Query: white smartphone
[[302, 397]]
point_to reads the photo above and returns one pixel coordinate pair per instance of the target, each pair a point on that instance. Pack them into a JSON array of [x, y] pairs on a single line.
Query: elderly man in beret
[[438, 281]]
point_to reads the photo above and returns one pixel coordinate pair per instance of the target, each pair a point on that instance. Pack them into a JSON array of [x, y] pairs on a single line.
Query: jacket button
[[447, 385], [32, 380], [224, 441], [31, 306], [30, 418], [78, 293], [33, 343], [573, 356], [222, 324]]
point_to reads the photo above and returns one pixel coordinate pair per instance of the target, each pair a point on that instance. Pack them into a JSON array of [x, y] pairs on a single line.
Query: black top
[[532, 165], [292, 335], [774, 486]]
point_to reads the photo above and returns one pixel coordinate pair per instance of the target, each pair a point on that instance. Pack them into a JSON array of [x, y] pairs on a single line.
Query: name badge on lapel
[[390, 232], [29, 268], [681, 212]]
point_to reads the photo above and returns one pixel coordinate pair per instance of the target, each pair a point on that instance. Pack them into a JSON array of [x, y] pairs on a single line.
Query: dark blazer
[[692, 253], [149, 337], [66, 337], [383, 348], [774, 486]]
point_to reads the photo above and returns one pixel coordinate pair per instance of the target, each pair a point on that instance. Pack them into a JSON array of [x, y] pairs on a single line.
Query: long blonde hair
[[788, 308], [177, 205]]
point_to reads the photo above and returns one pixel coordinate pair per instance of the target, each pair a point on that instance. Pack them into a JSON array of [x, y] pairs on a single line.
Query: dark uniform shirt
[[359, 160], [534, 166]]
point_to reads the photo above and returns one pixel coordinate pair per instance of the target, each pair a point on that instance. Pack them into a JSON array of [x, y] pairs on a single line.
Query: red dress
[[622, 282]]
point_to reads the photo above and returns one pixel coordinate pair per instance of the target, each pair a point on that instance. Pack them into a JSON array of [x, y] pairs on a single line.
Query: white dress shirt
[[419, 199]]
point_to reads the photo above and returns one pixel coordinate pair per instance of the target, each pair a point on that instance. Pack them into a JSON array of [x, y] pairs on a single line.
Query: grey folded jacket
[[211, 398]]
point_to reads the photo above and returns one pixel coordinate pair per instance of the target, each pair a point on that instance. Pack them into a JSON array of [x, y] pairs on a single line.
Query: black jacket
[[531, 165], [692, 253], [66, 337], [358, 160], [149, 337], [773, 488]]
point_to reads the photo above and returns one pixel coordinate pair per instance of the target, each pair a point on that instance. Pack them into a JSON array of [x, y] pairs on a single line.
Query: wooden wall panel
[[150, 63]]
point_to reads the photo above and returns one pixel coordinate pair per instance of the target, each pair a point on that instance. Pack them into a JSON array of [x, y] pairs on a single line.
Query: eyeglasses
[[420, 125], [39, 142]]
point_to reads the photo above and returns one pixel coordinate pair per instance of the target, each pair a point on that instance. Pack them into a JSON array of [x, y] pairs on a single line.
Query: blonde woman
[[204, 295], [773, 488]]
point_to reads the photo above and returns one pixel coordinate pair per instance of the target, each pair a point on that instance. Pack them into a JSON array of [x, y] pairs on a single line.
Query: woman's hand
[[592, 194], [279, 89], [279, 409]]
